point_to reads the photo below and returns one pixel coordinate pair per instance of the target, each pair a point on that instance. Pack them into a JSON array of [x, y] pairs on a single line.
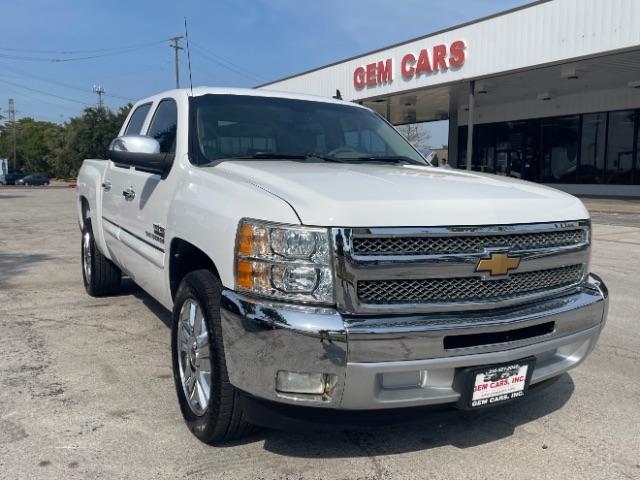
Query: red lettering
[[456, 51], [371, 75], [439, 55], [358, 78], [385, 72], [408, 59], [423, 63], [381, 72]]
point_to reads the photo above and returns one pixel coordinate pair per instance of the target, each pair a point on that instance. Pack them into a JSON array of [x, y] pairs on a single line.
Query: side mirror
[[141, 152]]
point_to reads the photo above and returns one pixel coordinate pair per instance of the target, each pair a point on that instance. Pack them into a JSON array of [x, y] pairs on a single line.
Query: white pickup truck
[[316, 264]]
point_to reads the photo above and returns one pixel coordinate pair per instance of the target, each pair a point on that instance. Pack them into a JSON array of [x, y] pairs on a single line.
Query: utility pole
[[99, 90], [12, 121], [175, 44]]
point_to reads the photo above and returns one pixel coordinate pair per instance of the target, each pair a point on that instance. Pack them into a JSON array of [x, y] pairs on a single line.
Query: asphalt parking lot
[[86, 389]]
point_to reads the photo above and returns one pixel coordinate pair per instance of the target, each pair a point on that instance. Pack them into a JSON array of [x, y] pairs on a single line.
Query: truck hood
[[376, 195]]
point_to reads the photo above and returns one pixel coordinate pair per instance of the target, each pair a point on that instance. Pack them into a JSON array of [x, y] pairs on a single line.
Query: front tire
[[209, 403], [100, 275]]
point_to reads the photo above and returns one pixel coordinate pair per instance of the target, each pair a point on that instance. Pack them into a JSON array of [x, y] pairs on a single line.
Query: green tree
[[89, 135], [34, 145], [58, 150]]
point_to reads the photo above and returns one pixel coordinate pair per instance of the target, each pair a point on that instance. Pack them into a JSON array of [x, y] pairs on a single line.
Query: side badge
[[157, 235]]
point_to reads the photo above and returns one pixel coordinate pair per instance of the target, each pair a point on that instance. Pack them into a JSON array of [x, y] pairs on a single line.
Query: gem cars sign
[[439, 58]]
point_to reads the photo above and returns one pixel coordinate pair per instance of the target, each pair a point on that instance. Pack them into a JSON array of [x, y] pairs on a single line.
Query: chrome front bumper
[[398, 361]]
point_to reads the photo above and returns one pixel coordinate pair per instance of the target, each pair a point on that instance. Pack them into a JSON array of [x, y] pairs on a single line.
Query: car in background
[[11, 178], [33, 180]]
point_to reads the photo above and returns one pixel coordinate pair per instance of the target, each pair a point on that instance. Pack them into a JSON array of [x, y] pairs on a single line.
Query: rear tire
[[198, 359], [100, 275]]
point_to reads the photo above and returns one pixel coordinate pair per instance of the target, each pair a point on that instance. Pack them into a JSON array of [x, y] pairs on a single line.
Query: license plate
[[496, 384]]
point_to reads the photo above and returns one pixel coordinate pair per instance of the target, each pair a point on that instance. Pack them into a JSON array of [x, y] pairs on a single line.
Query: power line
[[198, 52], [226, 60], [62, 84], [75, 59], [75, 52], [40, 101], [45, 93], [228, 64], [148, 68]]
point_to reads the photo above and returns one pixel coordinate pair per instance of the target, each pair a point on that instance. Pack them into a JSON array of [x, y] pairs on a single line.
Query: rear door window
[[137, 120], [165, 125]]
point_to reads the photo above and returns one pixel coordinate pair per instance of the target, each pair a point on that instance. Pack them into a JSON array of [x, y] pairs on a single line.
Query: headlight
[[284, 262]]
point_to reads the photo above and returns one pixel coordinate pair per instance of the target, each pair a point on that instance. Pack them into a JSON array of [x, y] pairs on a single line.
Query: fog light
[[307, 383]]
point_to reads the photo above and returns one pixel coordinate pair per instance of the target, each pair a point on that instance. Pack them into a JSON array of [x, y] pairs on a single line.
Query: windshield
[[254, 127]]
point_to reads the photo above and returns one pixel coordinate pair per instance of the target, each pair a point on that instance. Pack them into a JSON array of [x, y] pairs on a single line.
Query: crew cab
[[315, 262]]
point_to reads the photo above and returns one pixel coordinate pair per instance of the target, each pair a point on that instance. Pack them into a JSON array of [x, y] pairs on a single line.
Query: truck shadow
[[419, 431], [128, 287], [424, 431], [15, 264], [4, 196]]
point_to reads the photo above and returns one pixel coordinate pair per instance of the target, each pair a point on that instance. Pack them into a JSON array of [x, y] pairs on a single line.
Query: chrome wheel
[[86, 256], [194, 359]]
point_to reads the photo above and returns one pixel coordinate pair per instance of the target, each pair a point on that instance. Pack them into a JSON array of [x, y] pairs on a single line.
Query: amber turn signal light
[[245, 240], [244, 271]]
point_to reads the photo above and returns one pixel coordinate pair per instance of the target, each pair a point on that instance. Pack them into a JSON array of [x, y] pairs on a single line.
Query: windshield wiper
[[295, 156], [387, 158], [326, 158], [318, 156], [279, 156], [273, 155]]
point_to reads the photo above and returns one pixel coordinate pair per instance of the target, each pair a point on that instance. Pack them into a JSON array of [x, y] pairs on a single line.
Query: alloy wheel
[[87, 256], [194, 358]]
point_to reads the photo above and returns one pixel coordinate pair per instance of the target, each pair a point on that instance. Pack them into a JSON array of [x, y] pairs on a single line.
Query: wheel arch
[[83, 210], [184, 257]]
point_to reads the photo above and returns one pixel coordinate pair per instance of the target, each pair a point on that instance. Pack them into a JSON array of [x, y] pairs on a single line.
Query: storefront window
[[485, 148], [594, 137], [462, 147], [517, 149], [560, 149], [590, 148], [620, 147], [637, 172]]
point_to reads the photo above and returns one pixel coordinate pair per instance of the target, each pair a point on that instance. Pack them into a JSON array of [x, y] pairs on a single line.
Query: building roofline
[[432, 34]]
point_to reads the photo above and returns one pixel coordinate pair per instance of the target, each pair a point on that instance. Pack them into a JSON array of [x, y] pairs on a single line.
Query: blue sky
[[236, 43]]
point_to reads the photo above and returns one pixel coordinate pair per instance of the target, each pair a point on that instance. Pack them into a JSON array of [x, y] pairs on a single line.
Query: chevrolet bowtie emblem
[[498, 264]]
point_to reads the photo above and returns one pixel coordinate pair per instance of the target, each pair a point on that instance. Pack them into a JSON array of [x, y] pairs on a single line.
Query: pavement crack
[[362, 441], [100, 327]]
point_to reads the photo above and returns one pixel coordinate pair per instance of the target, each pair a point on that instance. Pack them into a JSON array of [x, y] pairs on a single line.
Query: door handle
[[129, 194], [106, 185]]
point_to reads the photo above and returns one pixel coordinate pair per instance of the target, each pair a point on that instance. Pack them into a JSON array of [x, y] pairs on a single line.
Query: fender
[[89, 186], [206, 211]]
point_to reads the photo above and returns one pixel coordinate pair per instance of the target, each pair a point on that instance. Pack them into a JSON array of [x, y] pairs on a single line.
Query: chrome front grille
[[417, 245], [441, 290], [434, 269]]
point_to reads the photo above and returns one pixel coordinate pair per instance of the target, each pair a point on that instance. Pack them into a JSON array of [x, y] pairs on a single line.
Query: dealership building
[[547, 92]]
